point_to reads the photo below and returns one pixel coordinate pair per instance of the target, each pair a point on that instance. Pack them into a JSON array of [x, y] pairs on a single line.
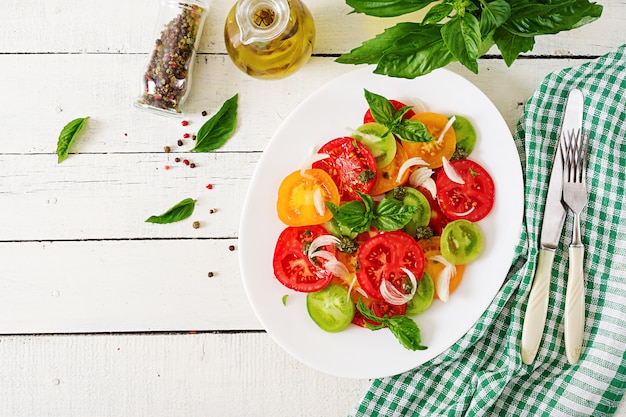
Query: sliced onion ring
[[408, 164], [338, 269], [393, 295], [443, 280], [446, 128], [451, 172], [309, 161], [320, 241], [318, 201]]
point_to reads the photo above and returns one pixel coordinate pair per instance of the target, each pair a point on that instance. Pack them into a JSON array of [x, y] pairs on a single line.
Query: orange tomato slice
[[386, 176], [432, 152], [297, 195], [431, 247]]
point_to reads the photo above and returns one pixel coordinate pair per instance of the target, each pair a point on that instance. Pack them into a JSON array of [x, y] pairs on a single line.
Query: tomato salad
[[384, 221]]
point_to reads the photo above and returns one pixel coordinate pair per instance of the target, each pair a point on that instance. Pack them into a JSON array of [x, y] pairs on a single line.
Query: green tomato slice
[[422, 216], [465, 134], [461, 242], [336, 229], [423, 296], [379, 140], [330, 308]]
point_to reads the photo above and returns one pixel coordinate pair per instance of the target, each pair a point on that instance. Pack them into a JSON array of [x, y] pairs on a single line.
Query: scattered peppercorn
[[209, 186], [196, 225], [212, 211], [231, 248], [193, 137], [186, 161], [184, 123], [186, 135], [166, 167], [166, 149], [192, 165], [180, 142], [211, 274], [204, 113], [177, 160]]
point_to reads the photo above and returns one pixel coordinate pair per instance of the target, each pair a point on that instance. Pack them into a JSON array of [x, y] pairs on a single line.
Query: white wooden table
[[102, 314]]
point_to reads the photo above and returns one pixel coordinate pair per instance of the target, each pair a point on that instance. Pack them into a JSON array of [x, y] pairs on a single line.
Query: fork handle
[[575, 304], [537, 307]]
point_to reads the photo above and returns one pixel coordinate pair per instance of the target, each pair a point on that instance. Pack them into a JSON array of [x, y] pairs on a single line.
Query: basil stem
[[67, 136], [218, 129], [177, 213]]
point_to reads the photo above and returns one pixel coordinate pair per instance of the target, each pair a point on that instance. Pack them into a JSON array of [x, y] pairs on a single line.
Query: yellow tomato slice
[[386, 176], [302, 198], [432, 152], [431, 247]]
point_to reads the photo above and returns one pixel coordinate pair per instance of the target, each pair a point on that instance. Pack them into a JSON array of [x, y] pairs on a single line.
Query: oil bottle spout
[[261, 20]]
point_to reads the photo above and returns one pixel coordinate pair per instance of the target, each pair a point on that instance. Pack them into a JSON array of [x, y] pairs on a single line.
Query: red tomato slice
[[368, 118], [351, 165], [380, 309], [470, 201], [383, 256], [292, 266], [438, 220]]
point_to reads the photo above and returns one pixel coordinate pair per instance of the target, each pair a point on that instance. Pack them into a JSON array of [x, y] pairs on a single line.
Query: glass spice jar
[[269, 38], [167, 79]]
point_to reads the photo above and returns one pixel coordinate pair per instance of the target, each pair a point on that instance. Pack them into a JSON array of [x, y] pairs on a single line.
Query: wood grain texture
[[220, 375]]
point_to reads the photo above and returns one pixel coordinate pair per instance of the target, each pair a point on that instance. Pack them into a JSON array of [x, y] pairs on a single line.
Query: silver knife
[[551, 226]]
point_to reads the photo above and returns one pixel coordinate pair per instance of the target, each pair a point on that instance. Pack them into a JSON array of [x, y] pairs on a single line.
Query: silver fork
[[574, 147]]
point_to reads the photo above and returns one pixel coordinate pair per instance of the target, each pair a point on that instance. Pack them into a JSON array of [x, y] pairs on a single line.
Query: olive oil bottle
[[269, 38]]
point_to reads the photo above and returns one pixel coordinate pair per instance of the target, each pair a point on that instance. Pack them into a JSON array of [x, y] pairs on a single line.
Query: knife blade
[[551, 227]]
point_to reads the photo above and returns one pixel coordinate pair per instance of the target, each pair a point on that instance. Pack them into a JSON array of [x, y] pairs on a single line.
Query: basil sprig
[[454, 30], [179, 212], [219, 128], [402, 327], [358, 216], [386, 114], [67, 136]]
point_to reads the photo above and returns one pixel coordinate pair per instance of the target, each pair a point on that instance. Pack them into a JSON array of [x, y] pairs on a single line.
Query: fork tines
[[575, 145]]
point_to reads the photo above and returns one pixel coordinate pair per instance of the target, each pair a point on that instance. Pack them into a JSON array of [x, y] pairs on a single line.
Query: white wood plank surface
[[80, 267]]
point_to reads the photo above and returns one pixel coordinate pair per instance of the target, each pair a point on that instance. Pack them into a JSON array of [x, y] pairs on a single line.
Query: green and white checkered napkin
[[483, 373]]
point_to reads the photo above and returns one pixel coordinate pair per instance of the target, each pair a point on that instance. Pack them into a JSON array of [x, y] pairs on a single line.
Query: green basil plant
[[461, 30]]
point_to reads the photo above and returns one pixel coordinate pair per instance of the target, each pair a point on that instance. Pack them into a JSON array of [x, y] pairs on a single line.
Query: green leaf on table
[[438, 12], [387, 8], [179, 212], [494, 14], [219, 128], [461, 34], [67, 136], [511, 45], [420, 51]]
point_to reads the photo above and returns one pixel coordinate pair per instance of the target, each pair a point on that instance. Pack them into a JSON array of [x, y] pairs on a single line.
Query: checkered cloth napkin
[[483, 374]]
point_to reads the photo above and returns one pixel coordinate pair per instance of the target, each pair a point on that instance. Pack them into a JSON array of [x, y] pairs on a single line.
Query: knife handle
[[575, 304], [537, 307]]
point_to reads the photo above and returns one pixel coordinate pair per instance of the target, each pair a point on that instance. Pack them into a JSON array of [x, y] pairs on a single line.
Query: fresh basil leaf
[[511, 45], [352, 215], [418, 52], [387, 8], [219, 128], [406, 331], [531, 18], [461, 35], [366, 312], [371, 50], [177, 213], [392, 214], [437, 13], [494, 14], [382, 110], [67, 136], [412, 131]]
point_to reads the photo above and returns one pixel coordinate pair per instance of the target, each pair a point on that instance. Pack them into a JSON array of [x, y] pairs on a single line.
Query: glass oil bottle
[[269, 38]]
